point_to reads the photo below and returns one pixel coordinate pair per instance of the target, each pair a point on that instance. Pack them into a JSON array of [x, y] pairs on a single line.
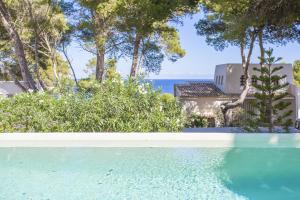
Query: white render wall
[[210, 106], [207, 106], [233, 72], [221, 71], [296, 93]]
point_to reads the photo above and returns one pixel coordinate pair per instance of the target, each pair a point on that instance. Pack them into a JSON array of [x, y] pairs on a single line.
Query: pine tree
[[269, 109]]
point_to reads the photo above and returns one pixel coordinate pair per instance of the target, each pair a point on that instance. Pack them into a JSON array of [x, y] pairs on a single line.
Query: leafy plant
[[197, 121], [113, 106]]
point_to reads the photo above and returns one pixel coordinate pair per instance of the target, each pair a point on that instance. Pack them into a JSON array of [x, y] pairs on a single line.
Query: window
[[221, 80], [218, 78], [254, 80], [242, 80]]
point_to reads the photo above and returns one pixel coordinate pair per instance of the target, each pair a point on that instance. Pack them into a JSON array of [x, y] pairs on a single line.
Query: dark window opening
[[254, 81], [242, 80]]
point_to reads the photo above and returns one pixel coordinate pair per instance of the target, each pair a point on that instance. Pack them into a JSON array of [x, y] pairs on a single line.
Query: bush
[[197, 121], [113, 106]]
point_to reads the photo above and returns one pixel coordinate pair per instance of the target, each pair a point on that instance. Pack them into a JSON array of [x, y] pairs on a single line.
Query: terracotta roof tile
[[199, 89], [206, 89]]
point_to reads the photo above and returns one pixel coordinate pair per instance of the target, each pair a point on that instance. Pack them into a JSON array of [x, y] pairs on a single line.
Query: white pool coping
[[150, 140]]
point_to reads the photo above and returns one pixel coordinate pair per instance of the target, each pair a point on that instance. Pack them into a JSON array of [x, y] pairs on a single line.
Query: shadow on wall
[[263, 173], [205, 107]]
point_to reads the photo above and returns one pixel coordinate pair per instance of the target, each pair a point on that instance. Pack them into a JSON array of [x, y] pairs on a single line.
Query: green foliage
[[270, 108], [296, 70], [113, 106], [147, 32], [110, 68], [41, 25], [96, 26], [197, 121], [226, 22], [237, 118]]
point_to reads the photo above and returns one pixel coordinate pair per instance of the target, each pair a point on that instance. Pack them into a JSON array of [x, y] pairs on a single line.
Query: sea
[[167, 85]]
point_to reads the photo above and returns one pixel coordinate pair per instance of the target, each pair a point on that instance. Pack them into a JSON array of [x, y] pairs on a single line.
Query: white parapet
[[182, 140]]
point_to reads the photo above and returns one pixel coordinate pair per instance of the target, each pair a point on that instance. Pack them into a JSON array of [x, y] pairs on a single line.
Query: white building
[[206, 98]]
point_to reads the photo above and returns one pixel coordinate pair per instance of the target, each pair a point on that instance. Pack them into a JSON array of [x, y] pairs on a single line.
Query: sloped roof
[[199, 89], [208, 89]]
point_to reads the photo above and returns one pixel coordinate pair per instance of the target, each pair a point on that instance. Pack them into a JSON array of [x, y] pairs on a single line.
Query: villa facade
[[206, 98]]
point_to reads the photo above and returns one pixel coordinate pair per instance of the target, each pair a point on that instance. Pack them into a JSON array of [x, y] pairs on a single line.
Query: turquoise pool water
[[149, 173]]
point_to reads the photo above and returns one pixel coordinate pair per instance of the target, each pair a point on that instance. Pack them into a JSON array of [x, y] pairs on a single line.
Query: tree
[[242, 23], [96, 28], [110, 68], [40, 26], [228, 23], [62, 71], [47, 32], [296, 70], [149, 36], [279, 21], [68, 9], [9, 25], [269, 107], [8, 63]]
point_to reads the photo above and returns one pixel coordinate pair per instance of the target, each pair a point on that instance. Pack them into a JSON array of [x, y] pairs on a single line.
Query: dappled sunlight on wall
[[208, 107]]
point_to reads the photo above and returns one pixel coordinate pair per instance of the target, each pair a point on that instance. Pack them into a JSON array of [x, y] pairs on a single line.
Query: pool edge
[[209, 140]]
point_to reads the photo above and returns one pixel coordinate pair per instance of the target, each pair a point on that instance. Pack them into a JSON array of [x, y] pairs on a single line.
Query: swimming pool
[[224, 173]]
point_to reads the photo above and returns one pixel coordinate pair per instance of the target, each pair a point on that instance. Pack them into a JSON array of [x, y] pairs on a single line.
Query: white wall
[[296, 93], [235, 71], [220, 71]]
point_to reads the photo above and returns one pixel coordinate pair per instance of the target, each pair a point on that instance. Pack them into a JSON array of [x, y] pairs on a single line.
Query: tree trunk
[[52, 53], [135, 59], [141, 61], [18, 46], [36, 46], [37, 61], [70, 64], [245, 63], [100, 64], [262, 61], [100, 40], [261, 47], [269, 108], [54, 63], [270, 115]]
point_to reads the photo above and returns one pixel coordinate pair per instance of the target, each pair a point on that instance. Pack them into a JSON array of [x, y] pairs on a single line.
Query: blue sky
[[199, 61]]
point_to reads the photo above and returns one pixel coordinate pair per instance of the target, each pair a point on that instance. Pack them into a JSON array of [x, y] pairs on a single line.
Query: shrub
[[113, 106], [237, 117], [197, 121]]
